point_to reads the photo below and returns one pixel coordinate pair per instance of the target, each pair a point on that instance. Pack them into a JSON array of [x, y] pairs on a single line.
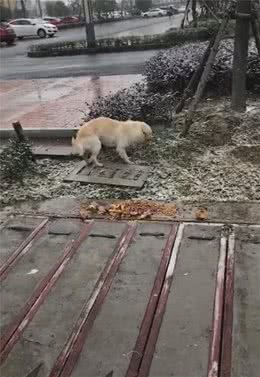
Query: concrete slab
[[183, 344], [111, 341], [57, 151], [59, 313], [246, 321], [21, 281], [221, 212], [14, 233]]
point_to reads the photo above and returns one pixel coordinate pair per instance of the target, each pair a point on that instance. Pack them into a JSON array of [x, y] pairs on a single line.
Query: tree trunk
[[19, 131], [10, 8], [89, 23], [23, 8], [206, 72], [185, 14], [255, 22], [238, 102], [195, 78], [40, 8], [194, 13], [256, 34], [20, 135], [80, 12]]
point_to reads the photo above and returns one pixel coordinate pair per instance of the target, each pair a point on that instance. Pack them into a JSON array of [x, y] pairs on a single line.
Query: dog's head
[[77, 148]]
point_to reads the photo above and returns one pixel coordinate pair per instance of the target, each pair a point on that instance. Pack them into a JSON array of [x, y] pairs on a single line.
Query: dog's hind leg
[[95, 147], [122, 153]]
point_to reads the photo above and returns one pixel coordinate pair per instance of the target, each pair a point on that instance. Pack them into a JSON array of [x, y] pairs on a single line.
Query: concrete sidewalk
[[48, 103]]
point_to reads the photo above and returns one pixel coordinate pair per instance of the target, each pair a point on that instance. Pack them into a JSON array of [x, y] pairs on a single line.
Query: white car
[[156, 12], [182, 9], [116, 15], [30, 27]]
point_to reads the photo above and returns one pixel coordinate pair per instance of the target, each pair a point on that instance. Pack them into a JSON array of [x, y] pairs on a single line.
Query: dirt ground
[[218, 161]]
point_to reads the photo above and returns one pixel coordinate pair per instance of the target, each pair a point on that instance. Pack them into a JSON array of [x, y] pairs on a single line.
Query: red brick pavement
[[47, 103]]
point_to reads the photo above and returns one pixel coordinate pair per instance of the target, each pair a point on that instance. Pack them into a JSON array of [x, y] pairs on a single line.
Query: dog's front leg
[[122, 153], [95, 147]]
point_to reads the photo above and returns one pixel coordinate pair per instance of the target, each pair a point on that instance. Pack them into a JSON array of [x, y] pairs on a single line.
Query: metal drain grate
[[111, 174]]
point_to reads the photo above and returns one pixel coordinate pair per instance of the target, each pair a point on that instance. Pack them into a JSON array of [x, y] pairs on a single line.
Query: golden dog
[[110, 133]]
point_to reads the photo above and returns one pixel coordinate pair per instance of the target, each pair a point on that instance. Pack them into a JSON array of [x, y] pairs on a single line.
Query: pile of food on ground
[[129, 209]]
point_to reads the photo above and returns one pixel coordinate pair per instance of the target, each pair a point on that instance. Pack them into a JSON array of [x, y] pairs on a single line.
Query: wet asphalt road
[[16, 65]]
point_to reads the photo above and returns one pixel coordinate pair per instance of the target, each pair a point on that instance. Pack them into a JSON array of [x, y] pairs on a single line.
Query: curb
[[43, 133], [92, 51]]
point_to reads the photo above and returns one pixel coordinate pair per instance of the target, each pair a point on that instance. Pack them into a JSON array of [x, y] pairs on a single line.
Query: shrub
[[167, 75], [212, 26], [172, 69], [57, 46], [134, 103], [15, 159], [253, 73]]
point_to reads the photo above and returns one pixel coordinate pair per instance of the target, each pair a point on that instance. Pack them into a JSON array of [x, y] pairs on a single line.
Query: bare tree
[[185, 16], [75, 6], [207, 69], [243, 16], [212, 6], [255, 23]]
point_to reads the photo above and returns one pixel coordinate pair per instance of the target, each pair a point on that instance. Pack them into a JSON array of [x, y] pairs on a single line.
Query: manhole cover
[[111, 174]]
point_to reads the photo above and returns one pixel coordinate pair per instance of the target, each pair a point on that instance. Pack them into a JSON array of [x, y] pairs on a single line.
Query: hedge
[[172, 69], [135, 103], [165, 40], [166, 76]]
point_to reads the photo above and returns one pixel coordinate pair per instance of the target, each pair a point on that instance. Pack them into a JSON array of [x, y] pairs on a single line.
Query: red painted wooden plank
[[68, 357], [151, 306], [21, 250], [226, 354], [215, 347], [158, 317], [16, 328]]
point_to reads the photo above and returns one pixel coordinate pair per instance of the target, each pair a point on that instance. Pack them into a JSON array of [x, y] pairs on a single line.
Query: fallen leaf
[[85, 214], [201, 214], [145, 215], [102, 210], [93, 207]]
